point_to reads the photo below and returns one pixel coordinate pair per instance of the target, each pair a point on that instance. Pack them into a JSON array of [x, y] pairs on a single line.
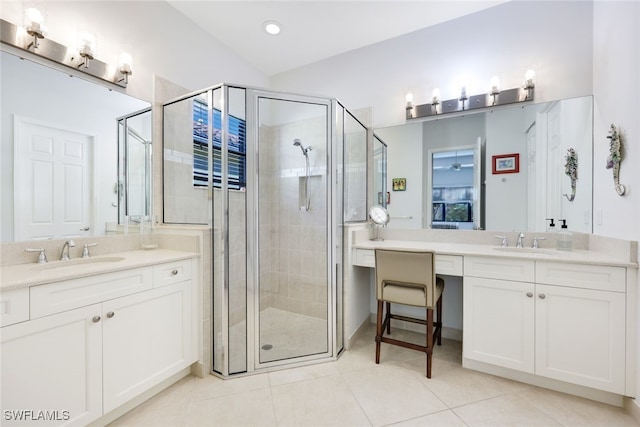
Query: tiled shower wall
[[293, 241]]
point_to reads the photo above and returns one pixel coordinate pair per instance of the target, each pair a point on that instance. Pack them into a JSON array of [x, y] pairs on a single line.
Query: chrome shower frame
[[253, 190], [218, 97]]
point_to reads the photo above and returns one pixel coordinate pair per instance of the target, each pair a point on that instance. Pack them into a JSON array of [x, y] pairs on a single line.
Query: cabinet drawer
[[172, 272], [14, 306], [364, 258], [518, 270], [445, 264], [449, 264], [599, 277], [62, 296]]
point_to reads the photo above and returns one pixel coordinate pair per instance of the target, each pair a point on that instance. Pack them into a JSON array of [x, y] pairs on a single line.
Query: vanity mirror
[[59, 151], [508, 198]]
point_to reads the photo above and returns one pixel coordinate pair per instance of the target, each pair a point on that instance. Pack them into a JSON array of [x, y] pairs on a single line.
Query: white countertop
[[543, 254], [25, 275]]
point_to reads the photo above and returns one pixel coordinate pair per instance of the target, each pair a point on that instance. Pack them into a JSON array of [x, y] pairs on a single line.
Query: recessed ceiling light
[[271, 27]]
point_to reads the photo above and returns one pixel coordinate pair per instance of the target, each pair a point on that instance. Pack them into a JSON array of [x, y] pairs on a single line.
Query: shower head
[[298, 143]]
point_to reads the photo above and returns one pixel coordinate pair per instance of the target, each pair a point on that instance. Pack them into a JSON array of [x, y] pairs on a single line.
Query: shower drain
[[267, 347]]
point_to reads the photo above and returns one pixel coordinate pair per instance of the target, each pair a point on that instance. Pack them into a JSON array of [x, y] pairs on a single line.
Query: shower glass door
[[293, 284]]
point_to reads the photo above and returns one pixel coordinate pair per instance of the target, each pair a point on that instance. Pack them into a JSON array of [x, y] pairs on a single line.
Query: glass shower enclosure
[[267, 172]]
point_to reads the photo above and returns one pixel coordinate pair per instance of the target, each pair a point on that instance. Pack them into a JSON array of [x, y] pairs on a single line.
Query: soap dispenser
[[551, 227], [565, 238]]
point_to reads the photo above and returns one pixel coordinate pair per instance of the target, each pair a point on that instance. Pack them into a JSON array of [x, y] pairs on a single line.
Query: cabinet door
[[580, 336], [146, 338], [498, 325], [54, 364]]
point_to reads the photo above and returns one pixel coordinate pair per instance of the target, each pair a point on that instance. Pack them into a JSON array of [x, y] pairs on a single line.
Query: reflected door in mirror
[[53, 188]]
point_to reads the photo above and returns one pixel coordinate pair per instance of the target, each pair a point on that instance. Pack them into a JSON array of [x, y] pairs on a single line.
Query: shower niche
[[268, 172]]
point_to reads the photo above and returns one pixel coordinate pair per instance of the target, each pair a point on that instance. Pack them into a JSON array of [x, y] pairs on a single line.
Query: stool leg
[[429, 340], [389, 315], [439, 319], [378, 331]]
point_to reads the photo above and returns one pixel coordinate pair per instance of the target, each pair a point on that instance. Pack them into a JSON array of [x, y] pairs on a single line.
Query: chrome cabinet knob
[[174, 273], [96, 319], [530, 294], [110, 314], [542, 296]]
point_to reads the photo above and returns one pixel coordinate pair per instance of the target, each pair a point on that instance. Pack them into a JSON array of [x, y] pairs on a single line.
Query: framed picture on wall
[[505, 163], [399, 184]]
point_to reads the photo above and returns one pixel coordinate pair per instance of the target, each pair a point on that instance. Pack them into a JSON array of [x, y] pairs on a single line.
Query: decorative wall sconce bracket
[[474, 102], [11, 35], [615, 157], [571, 170]]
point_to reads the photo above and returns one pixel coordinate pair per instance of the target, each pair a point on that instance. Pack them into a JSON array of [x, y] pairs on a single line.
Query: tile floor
[[354, 391]]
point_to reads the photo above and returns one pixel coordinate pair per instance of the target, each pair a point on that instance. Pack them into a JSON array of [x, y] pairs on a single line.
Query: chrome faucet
[[64, 255], [519, 241]]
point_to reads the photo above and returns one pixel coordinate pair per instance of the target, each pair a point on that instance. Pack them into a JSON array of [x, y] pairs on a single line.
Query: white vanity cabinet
[[580, 331], [54, 363], [498, 322], [560, 320], [89, 360], [146, 338]]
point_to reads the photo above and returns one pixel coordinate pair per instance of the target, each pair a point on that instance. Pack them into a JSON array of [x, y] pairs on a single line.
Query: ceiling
[[315, 30]]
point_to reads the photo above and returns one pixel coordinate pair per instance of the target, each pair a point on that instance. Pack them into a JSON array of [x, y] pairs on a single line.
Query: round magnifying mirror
[[378, 218]]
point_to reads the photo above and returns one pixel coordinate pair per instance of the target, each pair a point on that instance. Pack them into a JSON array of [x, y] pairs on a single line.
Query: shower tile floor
[[354, 391], [284, 335], [290, 335]]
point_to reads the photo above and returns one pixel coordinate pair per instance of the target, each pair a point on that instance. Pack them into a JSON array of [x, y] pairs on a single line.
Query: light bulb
[[435, 96], [125, 63], [529, 77], [409, 100], [495, 85]]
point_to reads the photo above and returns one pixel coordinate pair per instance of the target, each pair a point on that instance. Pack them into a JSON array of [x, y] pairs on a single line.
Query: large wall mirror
[[60, 152], [501, 169]]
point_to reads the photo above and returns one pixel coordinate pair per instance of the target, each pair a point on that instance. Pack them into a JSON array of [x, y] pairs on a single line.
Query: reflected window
[[237, 144]]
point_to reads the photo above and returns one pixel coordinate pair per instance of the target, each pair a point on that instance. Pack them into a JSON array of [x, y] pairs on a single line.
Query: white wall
[[554, 38], [616, 93], [162, 42], [616, 67]]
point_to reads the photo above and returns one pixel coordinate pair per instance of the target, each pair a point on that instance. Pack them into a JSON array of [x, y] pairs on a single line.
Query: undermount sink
[[526, 250], [77, 262]]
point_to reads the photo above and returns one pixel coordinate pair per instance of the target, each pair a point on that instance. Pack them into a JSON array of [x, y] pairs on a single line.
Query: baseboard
[[198, 370], [562, 387], [632, 406], [348, 343], [126, 407]]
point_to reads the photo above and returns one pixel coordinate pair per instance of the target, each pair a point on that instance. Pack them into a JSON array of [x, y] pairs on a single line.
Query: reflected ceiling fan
[[456, 166]]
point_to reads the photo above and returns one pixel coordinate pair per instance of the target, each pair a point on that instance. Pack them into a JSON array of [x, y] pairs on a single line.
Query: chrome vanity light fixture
[[34, 24], [435, 100], [86, 47], [464, 102], [529, 84], [125, 67], [80, 58], [495, 89]]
